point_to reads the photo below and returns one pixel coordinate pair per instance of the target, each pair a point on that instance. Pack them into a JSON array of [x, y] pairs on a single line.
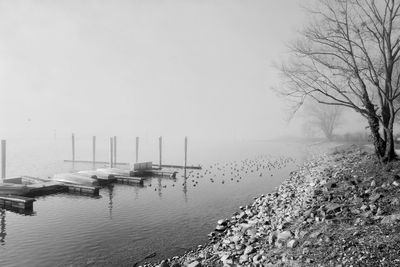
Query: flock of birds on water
[[234, 171]]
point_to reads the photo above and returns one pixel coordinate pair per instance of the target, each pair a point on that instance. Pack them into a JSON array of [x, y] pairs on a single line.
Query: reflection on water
[[2, 226], [110, 197], [129, 222]]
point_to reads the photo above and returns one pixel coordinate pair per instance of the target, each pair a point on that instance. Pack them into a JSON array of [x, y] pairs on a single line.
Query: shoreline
[[238, 239], [341, 208]]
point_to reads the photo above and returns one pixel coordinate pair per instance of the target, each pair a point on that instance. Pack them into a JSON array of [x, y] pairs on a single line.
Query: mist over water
[[127, 223], [200, 69]]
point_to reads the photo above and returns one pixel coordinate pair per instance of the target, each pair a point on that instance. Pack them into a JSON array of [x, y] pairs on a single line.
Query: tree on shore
[[346, 57], [323, 117]]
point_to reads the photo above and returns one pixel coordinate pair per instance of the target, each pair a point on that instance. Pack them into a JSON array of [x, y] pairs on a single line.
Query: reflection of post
[[159, 187], [3, 159], [2, 226], [94, 151], [111, 152], [185, 189], [115, 151], [73, 148], [110, 199], [160, 149], [185, 156], [137, 148]]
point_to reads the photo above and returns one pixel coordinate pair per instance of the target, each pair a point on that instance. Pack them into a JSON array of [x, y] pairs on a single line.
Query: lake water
[[127, 223]]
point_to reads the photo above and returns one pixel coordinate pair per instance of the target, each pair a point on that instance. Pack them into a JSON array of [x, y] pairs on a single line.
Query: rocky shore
[[341, 208]]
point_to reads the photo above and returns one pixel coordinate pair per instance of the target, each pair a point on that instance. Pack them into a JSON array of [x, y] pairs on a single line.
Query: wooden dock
[[129, 180], [83, 190], [16, 202], [96, 162], [153, 173], [177, 167]]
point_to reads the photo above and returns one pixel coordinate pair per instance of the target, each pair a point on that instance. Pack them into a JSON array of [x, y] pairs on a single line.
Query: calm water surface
[[127, 223]]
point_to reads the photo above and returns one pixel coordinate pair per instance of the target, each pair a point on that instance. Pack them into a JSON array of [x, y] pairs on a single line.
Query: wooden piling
[[3, 159], [73, 148], [94, 150], [137, 148], [111, 152], [185, 154], [160, 149], [115, 151]]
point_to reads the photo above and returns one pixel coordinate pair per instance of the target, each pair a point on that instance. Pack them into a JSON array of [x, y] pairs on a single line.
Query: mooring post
[[185, 155], [94, 150], [3, 159], [111, 152], [137, 149], [73, 148], [115, 151], [160, 149]]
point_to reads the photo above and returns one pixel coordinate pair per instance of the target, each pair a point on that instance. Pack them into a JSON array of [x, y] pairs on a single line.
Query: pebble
[[292, 243]]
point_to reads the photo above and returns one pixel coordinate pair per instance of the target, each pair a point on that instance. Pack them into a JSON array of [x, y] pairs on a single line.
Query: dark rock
[[164, 264]]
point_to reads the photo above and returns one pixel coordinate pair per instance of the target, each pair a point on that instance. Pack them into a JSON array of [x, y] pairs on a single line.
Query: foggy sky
[[196, 68]]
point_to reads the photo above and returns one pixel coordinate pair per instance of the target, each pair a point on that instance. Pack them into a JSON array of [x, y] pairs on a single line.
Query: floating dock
[[31, 187], [83, 190], [16, 192], [18, 203]]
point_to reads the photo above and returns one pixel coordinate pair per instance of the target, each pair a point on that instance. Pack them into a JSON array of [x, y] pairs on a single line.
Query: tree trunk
[[379, 143], [387, 121], [389, 149]]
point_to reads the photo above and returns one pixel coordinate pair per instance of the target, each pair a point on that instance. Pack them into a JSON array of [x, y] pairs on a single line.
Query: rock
[[395, 201], [249, 250], [391, 219], [220, 228], [272, 238], [332, 207], [373, 183], [379, 211], [222, 222], [375, 197], [283, 236], [330, 185], [243, 258], [292, 243], [176, 264], [315, 234], [395, 183], [194, 264], [164, 264], [257, 258]]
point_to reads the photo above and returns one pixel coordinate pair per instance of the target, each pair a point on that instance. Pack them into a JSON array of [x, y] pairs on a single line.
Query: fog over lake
[[197, 69]]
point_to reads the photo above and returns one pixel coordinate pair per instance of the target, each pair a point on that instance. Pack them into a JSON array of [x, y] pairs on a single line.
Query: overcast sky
[[196, 68]]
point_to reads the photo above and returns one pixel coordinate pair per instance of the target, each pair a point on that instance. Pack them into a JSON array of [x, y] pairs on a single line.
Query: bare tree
[[323, 117], [347, 57]]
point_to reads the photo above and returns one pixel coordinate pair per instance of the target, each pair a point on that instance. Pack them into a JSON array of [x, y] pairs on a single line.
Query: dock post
[[115, 151], [160, 149], [111, 152], [3, 159], [185, 155], [94, 151], [73, 148], [137, 149]]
